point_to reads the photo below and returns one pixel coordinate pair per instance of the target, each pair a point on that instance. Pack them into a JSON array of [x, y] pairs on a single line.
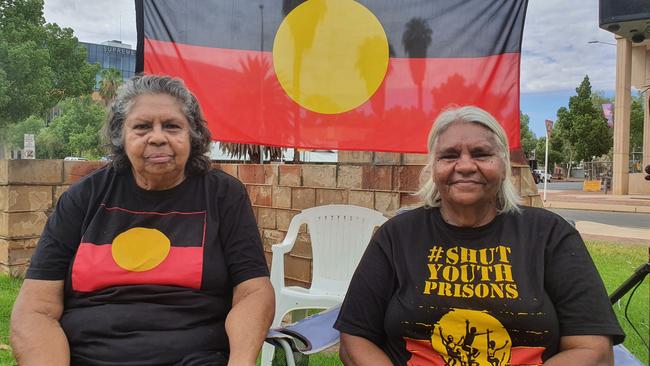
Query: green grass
[[8, 291], [615, 262], [319, 359]]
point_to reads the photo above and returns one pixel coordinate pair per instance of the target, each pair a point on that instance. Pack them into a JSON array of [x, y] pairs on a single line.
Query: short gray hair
[[198, 162], [507, 196]]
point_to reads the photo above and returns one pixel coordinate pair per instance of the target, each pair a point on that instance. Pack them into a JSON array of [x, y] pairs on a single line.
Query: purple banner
[[607, 113]]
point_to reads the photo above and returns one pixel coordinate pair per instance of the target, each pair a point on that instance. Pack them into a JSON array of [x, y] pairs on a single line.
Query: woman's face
[[468, 169], [157, 141]]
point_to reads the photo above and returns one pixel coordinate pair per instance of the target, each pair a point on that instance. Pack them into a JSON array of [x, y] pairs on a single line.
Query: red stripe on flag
[[94, 269], [244, 102], [526, 356], [423, 354]]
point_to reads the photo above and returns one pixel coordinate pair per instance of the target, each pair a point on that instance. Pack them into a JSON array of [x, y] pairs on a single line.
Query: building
[[628, 20], [111, 54]]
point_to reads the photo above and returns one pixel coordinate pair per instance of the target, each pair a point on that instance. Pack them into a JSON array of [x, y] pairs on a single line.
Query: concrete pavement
[[599, 201]]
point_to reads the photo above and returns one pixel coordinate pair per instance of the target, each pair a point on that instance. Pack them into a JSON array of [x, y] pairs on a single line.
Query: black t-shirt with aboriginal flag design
[[149, 274], [429, 293]]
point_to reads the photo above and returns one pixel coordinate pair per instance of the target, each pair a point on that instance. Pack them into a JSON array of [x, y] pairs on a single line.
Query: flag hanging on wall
[[337, 74]]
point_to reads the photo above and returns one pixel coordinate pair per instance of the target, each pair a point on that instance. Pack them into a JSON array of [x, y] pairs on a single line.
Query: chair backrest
[[339, 236]]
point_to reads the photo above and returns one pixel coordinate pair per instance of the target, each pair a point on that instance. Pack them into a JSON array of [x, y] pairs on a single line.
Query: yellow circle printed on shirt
[[140, 249]]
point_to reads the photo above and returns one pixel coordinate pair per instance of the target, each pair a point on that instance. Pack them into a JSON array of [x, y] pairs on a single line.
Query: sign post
[[549, 128], [29, 147]]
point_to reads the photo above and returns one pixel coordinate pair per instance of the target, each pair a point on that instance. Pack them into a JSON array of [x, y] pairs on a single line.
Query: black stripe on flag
[[182, 229], [459, 28]]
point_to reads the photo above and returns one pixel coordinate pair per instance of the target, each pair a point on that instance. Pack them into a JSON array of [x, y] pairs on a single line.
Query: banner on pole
[[549, 127], [608, 114]]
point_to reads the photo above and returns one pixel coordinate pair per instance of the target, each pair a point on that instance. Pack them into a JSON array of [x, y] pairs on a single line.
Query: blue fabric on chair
[[623, 357], [310, 335]]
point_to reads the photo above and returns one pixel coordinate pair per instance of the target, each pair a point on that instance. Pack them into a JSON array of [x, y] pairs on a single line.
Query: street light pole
[[549, 128], [594, 42], [546, 165]]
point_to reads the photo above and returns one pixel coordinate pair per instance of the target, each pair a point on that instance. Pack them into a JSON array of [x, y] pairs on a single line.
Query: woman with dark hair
[[471, 278], [154, 259]]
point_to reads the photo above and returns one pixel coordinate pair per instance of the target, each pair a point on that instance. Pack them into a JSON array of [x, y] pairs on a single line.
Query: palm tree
[[416, 39], [111, 80], [239, 151], [307, 36], [257, 70], [378, 98]]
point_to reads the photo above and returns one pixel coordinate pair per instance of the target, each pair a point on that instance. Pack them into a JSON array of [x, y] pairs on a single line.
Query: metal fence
[[597, 169]]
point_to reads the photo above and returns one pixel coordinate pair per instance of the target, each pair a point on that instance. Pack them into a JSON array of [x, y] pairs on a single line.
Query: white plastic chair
[[339, 236]]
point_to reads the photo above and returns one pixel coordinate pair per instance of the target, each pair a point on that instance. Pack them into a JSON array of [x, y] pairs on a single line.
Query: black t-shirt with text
[[429, 293], [149, 274]]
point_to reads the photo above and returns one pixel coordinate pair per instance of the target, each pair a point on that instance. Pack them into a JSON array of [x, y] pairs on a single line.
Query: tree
[[111, 80], [416, 40], [554, 152], [636, 117], [4, 89], [259, 71], [527, 137], [240, 151], [40, 63], [75, 132], [582, 126], [16, 132], [307, 35], [636, 123]]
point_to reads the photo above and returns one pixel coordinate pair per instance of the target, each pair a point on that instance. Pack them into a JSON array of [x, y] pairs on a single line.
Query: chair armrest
[[277, 271], [290, 239], [284, 247]]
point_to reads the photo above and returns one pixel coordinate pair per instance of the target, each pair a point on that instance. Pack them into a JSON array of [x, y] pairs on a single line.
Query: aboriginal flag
[[337, 74], [123, 247], [423, 354]]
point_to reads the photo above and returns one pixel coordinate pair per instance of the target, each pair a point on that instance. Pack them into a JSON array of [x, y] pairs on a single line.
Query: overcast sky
[[555, 52]]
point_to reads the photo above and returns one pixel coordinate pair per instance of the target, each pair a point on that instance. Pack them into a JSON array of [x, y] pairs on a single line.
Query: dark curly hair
[[198, 162]]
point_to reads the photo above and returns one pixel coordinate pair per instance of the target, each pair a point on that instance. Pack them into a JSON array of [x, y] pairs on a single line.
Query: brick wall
[[29, 190], [381, 181]]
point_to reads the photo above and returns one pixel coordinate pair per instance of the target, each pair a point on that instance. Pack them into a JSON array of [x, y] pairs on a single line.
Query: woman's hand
[[248, 322], [583, 350], [36, 335], [358, 351]]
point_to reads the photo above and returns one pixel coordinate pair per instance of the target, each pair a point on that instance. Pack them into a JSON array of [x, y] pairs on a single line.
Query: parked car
[[536, 177], [541, 176]]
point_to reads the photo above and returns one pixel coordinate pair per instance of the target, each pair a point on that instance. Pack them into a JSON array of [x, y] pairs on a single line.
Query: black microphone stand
[[636, 277]]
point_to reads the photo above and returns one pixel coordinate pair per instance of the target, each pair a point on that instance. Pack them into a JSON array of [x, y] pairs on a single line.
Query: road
[[560, 186], [621, 219]]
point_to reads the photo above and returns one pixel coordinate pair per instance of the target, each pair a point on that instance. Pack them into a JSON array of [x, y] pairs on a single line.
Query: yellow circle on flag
[[140, 249], [330, 56]]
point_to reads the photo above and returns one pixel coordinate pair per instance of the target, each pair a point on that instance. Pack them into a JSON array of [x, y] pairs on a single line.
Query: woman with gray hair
[[154, 259], [471, 278]]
